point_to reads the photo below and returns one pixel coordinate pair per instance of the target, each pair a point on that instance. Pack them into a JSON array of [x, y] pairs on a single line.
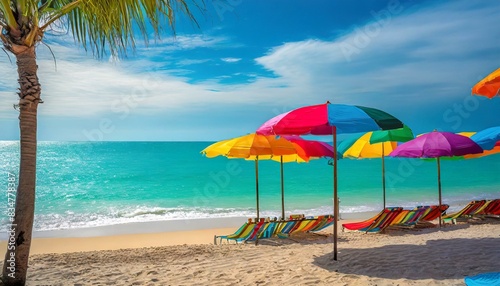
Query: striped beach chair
[[471, 208], [367, 223]]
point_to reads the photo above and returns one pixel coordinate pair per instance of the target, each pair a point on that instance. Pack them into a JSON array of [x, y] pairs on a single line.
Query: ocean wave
[[141, 213], [72, 220], [113, 216]]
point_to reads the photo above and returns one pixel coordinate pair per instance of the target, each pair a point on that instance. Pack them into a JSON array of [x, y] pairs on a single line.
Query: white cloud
[[230, 60], [186, 42], [84, 87], [441, 45], [421, 56], [188, 62]]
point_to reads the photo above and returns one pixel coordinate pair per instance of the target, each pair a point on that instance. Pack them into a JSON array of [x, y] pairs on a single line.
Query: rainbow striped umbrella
[[330, 119]]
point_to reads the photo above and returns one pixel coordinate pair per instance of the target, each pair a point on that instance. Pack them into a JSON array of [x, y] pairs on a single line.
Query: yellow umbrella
[[258, 147], [362, 148], [253, 145], [488, 86]]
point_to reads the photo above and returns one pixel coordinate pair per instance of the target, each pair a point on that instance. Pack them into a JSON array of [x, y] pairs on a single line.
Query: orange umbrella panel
[[488, 86]]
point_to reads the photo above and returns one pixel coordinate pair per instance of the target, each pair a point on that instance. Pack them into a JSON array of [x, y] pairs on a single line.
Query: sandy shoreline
[[115, 242], [133, 235], [137, 235], [399, 257]]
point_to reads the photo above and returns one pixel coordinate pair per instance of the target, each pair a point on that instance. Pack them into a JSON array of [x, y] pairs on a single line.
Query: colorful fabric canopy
[[487, 138], [319, 120], [253, 144], [435, 145], [488, 86], [264, 147], [326, 119]]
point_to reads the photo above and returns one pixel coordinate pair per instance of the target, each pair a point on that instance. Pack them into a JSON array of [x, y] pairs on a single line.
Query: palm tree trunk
[[19, 241]]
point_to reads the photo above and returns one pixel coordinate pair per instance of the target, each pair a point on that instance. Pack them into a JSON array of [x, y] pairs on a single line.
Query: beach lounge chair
[[256, 231], [419, 217], [268, 230], [301, 225], [402, 216], [418, 214], [247, 230], [495, 210], [361, 224], [324, 222], [368, 222], [483, 279], [470, 208], [492, 208], [285, 228], [237, 233], [433, 212], [480, 209], [383, 221], [308, 224], [409, 218]]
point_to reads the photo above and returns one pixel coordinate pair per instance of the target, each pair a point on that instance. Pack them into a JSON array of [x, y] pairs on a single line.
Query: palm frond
[[44, 5], [113, 25], [10, 19], [20, 20]]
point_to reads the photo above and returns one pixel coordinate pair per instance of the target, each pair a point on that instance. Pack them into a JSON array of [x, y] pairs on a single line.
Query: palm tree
[[103, 26]]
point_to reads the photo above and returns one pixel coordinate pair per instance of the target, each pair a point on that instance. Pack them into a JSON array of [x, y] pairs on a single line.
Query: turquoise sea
[[85, 184]]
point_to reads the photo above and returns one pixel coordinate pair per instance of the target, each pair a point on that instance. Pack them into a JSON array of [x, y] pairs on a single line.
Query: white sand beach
[[429, 256]]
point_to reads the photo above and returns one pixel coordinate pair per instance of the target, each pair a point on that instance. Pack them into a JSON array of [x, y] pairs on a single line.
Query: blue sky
[[251, 60]]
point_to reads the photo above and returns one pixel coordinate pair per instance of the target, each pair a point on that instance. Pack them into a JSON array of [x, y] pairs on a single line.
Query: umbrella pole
[[282, 191], [335, 197], [257, 184], [383, 173], [439, 188]]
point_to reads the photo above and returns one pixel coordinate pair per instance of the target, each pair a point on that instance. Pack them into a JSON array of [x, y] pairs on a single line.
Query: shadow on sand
[[437, 259], [302, 238], [400, 231]]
